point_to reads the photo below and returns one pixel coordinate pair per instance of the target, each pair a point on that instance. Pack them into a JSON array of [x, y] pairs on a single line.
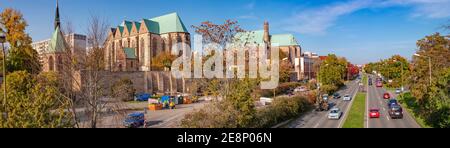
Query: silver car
[[347, 97], [335, 114]]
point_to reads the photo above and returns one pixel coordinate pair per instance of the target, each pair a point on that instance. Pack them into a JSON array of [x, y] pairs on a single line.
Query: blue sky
[[360, 30]]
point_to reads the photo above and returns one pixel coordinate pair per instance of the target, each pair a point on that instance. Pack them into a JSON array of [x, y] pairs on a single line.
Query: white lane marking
[[387, 117], [317, 125]]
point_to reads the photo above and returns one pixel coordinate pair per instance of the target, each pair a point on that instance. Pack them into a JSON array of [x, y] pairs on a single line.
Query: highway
[[315, 119], [375, 100]]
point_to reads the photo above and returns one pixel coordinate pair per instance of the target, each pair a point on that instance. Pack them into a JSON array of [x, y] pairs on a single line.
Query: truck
[[322, 103]]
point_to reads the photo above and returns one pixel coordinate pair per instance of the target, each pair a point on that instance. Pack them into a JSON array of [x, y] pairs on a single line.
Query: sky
[[360, 30]]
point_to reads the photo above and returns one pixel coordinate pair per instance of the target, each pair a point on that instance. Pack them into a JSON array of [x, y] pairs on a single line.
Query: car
[[398, 91], [392, 102], [379, 84], [141, 97], [300, 89], [396, 112], [336, 96], [347, 97], [370, 83], [374, 113], [134, 120], [387, 96], [335, 114]]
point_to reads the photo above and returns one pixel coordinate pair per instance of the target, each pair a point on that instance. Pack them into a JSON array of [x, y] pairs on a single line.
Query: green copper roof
[[129, 52], [251, 37], [120, 28], [284, 40], [138, 25], [169, 23], [128, 24], [158, 25], [57, 43]]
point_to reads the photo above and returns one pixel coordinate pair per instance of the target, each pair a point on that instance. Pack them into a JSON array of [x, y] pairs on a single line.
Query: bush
[[329, 89], [281, 89], [282, 109], [123, 90]]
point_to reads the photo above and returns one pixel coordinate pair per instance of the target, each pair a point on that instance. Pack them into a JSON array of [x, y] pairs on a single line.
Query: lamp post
[[401, 73], [3, 40], [429, 63]]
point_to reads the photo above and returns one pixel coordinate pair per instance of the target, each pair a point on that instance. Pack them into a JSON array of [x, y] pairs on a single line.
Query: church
[[132, 45]]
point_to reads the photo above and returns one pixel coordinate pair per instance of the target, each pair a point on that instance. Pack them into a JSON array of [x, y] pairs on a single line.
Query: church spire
[[57, 20]]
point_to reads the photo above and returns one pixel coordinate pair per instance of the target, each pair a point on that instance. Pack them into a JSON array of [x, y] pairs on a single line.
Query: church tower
[[57, 19]]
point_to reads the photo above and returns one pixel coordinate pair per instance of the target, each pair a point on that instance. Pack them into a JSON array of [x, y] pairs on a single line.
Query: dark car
[[392, 102], [336, 96], [396, 112], [134, 120]]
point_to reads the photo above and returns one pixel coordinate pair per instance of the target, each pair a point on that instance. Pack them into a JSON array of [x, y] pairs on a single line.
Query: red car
[[386, 96], [374, 113], [379, 84]]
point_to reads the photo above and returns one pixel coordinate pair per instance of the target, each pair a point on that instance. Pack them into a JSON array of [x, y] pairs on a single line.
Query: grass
[[364, 79], [355, 118], [406, 100]]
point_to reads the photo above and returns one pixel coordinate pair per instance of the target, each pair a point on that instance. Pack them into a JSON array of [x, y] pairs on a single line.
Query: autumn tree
[[332, 72], [163, 61], [433, 99], [34, 101], [21, 55]]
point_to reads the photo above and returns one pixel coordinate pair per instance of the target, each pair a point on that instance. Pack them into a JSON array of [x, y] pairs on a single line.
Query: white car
[[347, 97], [335, 114], [398, 91], [300, 89]]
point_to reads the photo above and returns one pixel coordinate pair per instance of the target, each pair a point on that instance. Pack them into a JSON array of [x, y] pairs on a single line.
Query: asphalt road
[[316, 119], [375, 100]]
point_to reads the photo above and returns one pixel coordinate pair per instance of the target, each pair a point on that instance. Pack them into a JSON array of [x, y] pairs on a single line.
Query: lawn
[[364, 79], [355, 118]]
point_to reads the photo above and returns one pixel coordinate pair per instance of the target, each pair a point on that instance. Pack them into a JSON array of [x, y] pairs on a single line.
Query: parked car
[[142, 97], [374, 113], [134, 120], [392, 102], [396, 112], [379, 84], [387, 96], [335, 114], [398, 91], [347, 97]]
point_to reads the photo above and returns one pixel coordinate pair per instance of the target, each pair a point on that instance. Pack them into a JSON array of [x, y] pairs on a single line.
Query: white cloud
[[318, 20]]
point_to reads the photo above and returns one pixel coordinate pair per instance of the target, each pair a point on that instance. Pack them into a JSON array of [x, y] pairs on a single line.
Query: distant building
[[307, 65], [74, 41]]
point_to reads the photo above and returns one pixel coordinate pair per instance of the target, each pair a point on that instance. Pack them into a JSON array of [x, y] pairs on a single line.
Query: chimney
[[266, 32]]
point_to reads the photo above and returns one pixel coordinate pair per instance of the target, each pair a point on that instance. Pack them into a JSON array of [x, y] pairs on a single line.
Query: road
[[315, 119], [375, 100]]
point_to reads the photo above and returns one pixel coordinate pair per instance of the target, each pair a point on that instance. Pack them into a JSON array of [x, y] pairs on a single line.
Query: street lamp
[[3, 40], [429, 62], [401, 73]]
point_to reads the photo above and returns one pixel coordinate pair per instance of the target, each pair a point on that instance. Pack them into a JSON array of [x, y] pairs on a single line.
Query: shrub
[[123, 90]]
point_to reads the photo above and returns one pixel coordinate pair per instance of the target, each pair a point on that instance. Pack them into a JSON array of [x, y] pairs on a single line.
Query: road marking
[[387, 117]]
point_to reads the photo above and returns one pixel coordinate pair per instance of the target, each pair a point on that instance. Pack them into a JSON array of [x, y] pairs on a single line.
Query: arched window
[[155, 47], [179, 40], [60, 63], [51, 64]]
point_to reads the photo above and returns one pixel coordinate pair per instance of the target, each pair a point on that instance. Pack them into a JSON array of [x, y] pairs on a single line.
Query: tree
[[163, 61], [123, 90], [22, 56], [35, 102], [433, 99]]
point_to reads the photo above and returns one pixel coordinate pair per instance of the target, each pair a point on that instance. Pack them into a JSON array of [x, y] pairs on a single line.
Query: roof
[[256, 37], [284, 40], [129, 52], [169, 23], [57, 42], [158, 25], [120, 28]]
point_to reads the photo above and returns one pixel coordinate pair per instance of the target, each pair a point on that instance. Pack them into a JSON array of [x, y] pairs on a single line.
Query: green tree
[[22, 56], [332, 72], [34, 101]]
